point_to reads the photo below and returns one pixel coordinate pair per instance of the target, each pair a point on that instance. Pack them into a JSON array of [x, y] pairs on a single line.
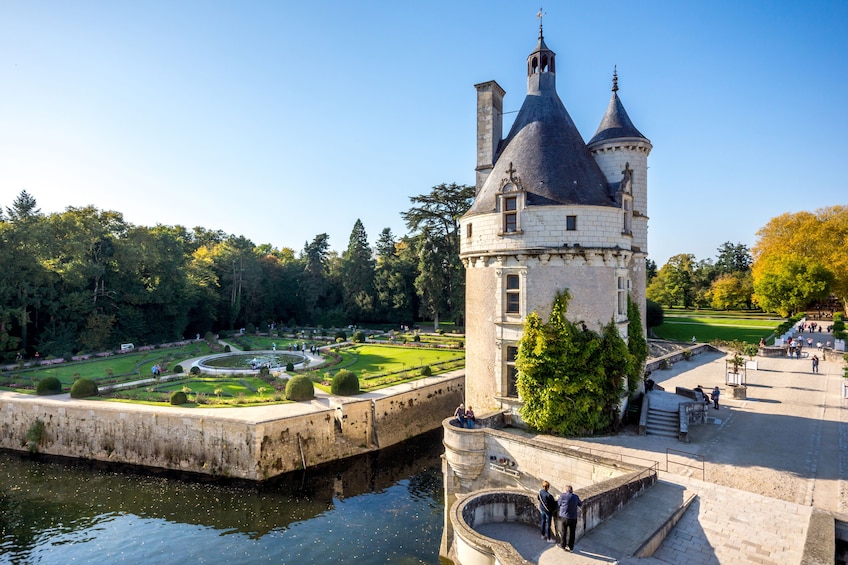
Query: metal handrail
[[696, 456]]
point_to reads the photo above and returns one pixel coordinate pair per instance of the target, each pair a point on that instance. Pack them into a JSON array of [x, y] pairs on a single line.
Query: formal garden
[[129, 376]]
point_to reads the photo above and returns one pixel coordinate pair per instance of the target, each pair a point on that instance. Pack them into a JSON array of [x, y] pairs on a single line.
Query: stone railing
[[469, 512]]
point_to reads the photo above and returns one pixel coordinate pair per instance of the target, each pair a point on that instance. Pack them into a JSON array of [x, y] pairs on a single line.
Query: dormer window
[[510, 203], [510, 214]]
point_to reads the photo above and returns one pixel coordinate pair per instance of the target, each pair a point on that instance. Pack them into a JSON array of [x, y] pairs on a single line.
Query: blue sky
[[282, 120]]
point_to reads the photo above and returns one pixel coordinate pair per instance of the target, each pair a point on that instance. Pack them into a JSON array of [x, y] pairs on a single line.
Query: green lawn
[[386, 358], [711, 326], [114, 369]]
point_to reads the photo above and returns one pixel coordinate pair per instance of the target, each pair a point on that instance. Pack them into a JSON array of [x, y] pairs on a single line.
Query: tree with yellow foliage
[[800, 258]]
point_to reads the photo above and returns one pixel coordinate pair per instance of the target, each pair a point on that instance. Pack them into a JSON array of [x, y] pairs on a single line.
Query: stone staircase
[[662, 422]]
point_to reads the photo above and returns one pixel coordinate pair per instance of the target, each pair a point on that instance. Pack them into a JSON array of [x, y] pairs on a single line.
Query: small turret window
[[513, 294], [510, 214], [571, 223], [511, 371]]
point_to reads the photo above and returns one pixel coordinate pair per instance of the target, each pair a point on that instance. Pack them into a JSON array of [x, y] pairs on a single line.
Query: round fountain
[[248, 362]]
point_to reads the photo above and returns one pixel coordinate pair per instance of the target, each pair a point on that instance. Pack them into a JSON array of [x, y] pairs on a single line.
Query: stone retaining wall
[[200, 442]]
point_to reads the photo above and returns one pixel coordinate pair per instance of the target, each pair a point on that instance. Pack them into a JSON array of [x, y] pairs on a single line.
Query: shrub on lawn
[[227, 348], [83, 388], [426, 371], [340, 334], [194, 370], [48, 385], [300, 388], [358, 337], [178, 368], [417, 338], [289, 367], [345, 383], [178, 397]]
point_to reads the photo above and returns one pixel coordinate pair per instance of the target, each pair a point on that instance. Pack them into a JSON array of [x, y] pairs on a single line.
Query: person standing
[[715, 394], [569, 504], [815, 363], [547, 508]]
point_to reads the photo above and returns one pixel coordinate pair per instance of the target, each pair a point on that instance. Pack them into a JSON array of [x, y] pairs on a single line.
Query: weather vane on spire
[[540, 15], [615, 78]]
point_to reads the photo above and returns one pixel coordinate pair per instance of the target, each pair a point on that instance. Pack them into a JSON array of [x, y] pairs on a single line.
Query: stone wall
[[200, 441]]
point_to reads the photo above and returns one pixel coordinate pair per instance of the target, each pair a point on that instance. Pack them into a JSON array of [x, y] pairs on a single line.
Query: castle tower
[[546, 217], [622, 153]]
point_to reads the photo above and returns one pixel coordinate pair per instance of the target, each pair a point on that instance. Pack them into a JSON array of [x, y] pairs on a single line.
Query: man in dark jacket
[[569, 504], [548, 508]]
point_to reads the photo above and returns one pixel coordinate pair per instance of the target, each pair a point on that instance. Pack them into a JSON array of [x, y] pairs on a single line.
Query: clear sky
[[282, 120]]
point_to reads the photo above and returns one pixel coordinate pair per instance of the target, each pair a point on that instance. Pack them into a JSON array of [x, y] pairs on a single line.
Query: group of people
[[465, 416], [566, 509], [714, 395]]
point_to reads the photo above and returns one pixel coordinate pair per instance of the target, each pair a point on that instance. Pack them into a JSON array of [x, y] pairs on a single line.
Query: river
[[384, 507]]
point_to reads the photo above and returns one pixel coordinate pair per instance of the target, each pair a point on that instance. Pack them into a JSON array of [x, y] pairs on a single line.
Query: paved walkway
[[769, 459]]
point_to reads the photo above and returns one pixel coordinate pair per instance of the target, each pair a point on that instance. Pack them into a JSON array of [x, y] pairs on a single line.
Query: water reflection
[[384, 507]]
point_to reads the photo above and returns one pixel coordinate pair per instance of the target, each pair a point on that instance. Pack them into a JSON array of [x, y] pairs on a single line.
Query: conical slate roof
[[616, 123], [547, 153]]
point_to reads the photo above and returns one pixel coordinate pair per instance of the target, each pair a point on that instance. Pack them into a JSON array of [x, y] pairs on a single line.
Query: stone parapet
[[249, 445]]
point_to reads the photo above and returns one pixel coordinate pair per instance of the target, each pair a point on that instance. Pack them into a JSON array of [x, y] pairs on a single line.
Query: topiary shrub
[[426, 371], [340, 334], [344, 383], [47, 386], [227, 348], [178, 397], [68, 356], [358, 337], [194, 370], [300, 388], [289, 367], [83, 388], [178, 368], [417, 338]]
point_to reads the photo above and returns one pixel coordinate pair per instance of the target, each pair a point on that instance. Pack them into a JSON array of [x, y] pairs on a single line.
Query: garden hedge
[[300, 388], [83, 388], [47, 386], [345, 383]]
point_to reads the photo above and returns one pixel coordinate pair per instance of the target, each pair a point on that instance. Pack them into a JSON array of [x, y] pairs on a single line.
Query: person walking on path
[[715, 394], [815, 363], [547, 508], [569, 504], [460, 415]]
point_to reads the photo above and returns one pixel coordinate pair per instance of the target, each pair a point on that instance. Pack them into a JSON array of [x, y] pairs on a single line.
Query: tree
[[394, 279], [313, 280], [733, 258], [673, 285], [569, 377], [732, 291], [650, 270], [23, 207], [358, 276], [820, 237], [787, 284], [434, 221]]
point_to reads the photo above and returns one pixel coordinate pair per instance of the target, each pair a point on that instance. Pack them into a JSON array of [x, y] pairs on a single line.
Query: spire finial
[[540, 15], [615, 78]]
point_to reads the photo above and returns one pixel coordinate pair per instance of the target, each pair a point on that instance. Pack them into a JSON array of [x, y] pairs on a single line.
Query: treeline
[[798, 262], [87, 280]]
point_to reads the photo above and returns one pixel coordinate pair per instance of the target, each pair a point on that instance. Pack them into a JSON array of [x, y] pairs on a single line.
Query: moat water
[[385, 507]]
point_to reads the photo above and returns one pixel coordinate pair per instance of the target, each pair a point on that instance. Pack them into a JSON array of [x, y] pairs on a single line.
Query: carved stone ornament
[[512, 183]]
